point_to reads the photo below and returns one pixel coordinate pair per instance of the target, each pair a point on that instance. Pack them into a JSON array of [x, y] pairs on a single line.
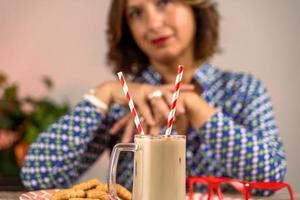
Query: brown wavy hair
[[124, 54]]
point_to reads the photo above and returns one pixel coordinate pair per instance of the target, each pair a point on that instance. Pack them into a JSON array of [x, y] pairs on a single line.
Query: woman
[[227, 117]]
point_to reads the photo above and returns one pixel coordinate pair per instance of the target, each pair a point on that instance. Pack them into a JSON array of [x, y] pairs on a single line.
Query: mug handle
[[113, 162]]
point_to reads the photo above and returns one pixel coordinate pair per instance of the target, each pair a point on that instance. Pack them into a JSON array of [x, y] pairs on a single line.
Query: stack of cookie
[[90, 190]]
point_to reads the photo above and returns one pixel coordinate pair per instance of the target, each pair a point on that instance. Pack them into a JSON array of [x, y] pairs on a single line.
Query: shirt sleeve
[[64, 150], [246, 145]]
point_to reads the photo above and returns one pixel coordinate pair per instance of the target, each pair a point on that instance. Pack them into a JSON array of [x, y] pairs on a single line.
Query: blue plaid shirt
[[240, 141]]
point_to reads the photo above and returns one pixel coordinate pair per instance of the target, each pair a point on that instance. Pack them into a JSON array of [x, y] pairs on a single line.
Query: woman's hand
[[127, 123], [112, 92], [155, 111], [198, 111]]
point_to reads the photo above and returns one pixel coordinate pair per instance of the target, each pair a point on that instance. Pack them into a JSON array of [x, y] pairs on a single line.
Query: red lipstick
[[160, 41]]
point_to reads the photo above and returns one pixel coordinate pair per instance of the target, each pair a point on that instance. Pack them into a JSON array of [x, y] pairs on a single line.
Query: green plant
[[23, 119]]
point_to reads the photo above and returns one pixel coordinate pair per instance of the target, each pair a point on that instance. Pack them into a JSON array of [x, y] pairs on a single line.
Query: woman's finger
[[183, 87], [130, 130], [128, 133], [186, 87], [159, 106], [117, 126], [180, 109], [160, 112], [145, 111], [168, 94], [168, 98], [161, 121], [154, 130]]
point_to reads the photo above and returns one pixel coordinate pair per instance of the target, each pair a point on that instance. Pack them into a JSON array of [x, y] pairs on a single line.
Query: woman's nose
[[155, 20]]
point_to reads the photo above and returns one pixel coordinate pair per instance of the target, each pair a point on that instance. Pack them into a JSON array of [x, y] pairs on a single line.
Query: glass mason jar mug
[[159, 167]]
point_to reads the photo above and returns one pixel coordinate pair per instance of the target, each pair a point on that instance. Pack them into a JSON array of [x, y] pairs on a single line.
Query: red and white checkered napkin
[[37, 195]]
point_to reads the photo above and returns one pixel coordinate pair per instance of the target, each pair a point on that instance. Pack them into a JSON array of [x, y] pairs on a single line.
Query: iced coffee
[[159, 167]]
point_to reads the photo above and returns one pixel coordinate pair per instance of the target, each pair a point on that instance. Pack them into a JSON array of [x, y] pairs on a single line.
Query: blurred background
[[52, 52]]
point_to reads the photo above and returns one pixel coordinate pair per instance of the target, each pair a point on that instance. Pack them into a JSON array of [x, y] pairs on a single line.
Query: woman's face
[[163, 29]]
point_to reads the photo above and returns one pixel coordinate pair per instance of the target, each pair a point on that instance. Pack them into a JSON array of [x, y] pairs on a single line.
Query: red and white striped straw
[[131, 105], [171, 117]]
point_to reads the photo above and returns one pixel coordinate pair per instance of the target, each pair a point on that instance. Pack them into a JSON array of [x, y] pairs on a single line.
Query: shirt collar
[[205, 76]]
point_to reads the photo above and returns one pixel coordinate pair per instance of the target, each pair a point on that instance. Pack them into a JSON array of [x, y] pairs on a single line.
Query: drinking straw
[[171, 117], [130, 103]]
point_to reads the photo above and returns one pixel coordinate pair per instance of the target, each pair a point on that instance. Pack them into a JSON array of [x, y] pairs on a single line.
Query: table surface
[[10, 195], [14, 195]]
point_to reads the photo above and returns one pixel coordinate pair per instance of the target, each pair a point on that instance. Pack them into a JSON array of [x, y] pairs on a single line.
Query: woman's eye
[[163, 3], [134, 14]]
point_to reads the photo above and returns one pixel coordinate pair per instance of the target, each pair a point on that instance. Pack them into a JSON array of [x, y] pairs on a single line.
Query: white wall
[[65, 39], [61, 38]]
